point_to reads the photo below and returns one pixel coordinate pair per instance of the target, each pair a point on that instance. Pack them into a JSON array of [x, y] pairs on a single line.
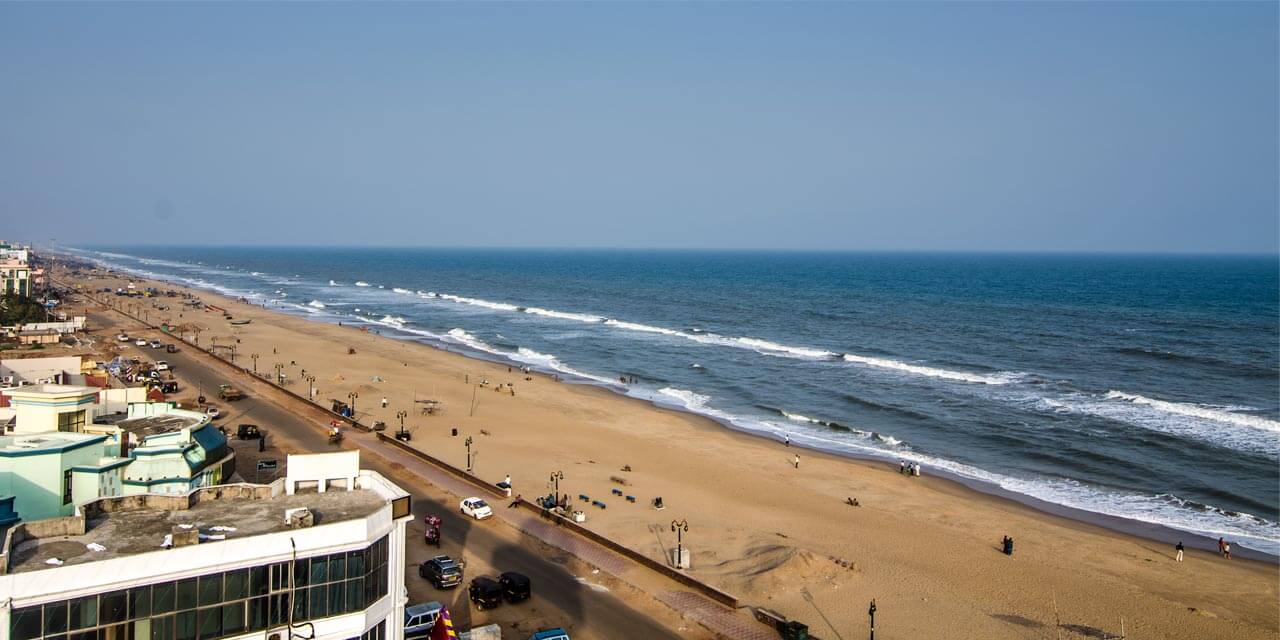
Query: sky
[[1040, 126]]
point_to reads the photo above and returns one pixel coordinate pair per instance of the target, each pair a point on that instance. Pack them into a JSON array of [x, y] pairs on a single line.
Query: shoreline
[[1151, 531], [764, 531]]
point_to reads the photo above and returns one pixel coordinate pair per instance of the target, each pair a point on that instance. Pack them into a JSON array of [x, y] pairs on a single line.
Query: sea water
[[1142, 387]]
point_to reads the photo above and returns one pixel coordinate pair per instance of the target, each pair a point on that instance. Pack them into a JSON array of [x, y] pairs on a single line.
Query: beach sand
[[926, 549]]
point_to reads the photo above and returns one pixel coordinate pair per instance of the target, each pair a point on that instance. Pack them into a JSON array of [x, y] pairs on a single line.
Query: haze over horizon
[[1037, 127]]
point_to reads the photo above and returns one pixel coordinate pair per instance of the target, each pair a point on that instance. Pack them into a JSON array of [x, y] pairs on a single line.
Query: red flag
[[444, 627]]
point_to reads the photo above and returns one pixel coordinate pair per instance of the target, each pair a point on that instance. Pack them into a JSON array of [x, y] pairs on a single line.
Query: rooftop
[[164, 423], [240, 508], [50, 389], [44, 442]]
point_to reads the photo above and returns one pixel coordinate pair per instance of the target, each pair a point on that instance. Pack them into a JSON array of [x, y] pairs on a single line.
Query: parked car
[[476, 508], [248, 432], [172, 348], [124, 337], [550, 634], [169, 386], [515, 586], [420, 619], [230, 393], [485, 593], [441, 571], [212, 412], [141, 342], [156, 344], [161, 365]]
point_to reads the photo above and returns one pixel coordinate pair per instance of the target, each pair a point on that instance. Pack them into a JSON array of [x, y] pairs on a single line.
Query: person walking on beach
[[1226, 550], [786, 439], [1222, 546], [796, 461], [1179, 549], [384, 403], [902, 467]]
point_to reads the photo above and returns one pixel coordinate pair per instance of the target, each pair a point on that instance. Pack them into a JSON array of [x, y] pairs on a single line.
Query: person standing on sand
[[1221, 545], [786, 439], [384, 403], [1179, 549], [1226, 550], [796, 461]]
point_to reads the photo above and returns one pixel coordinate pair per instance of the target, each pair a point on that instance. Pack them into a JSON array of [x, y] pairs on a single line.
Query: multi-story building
[[318, 554], [15, 277], [59, 457]]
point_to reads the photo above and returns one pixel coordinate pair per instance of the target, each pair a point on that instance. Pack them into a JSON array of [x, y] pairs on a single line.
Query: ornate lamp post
[[279, 373], [352, 397], [311, 387], [254, 358], [679, 527], [468, 443], [872, 612], [556, 478]]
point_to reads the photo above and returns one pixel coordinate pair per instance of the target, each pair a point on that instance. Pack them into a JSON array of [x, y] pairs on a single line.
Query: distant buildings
[[318, 554], [15, 277]]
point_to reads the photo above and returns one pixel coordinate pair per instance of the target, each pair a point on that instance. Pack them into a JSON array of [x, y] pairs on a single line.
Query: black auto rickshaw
[[485, 593], [515, 587], [432, 535], [248, 432]]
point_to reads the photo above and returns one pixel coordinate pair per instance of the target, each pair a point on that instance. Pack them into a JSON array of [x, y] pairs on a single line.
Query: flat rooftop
[[43, 442], [165, 423], [125, 533]]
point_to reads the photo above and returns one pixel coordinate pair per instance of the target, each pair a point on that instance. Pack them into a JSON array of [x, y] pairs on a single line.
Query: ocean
[[1141, 387]]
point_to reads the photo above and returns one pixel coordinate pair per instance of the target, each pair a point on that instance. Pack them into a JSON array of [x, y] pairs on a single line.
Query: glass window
[[186, 595], [302, 572], [141, 629], [233, 618], [300, 604], [318, 603], [235, 584], [355, 594], [258, 581], [140, 602], [161, 628], [319, 571], [83, 635], [185, 625], [211, 589], [279, 609], [337, 598], [337, 566], [84, 612], [55, 618], [163, 597], [355, 563], [210, 622], [24, 623], [114, 607], [280, 576], [257, 614]]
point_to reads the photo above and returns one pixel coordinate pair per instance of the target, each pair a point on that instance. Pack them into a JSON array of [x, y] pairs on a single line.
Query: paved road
[[564, 599]]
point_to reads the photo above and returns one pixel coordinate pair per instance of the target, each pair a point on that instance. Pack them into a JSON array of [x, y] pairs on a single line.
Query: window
[[217, 605], [71, 421], [66, 487]]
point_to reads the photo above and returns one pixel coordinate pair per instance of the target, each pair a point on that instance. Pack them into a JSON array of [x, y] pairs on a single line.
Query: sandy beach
[[774, 533]]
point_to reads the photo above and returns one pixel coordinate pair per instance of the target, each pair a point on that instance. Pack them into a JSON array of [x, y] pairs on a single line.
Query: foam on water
[[932, 372], [400, 291], [1215, 414], [361, 283], [317, 304], [563, 315]]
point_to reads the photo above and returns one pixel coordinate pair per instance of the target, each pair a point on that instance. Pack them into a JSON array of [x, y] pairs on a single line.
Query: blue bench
[[616, 492], [631, 498], [583, 497], [597, 503]]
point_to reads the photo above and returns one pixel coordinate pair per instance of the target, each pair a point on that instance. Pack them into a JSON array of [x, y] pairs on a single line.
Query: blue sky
[[959, 126]]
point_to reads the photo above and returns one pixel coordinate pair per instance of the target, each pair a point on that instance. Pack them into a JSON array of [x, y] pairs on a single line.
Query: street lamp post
[[872, 612], [311, 387], [279, 373], [254, 358], [352, 397], [402, 414], [679, 528], [468, 443], [556, 478]]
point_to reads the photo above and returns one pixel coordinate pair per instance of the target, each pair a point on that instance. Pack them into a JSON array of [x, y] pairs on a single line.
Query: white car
[[161, 365], [156, 344], [124, 337], [142, 342], [211, 411], [476, 508]]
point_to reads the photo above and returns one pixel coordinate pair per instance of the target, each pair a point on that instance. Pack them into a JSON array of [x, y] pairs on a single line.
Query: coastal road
[[561, 598]]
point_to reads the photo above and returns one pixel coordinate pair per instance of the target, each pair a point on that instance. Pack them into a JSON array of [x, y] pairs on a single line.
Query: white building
[[238, 566]]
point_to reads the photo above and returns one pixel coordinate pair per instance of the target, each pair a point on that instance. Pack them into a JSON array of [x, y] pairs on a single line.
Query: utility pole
[[872, 612]]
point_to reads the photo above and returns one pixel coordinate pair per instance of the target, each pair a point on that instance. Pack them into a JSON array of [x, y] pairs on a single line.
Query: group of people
[[908, 468], [1224, 548]]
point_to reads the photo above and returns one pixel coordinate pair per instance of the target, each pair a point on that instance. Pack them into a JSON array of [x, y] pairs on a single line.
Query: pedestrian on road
[[515, 503], [1179, 549], [796, 461]]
